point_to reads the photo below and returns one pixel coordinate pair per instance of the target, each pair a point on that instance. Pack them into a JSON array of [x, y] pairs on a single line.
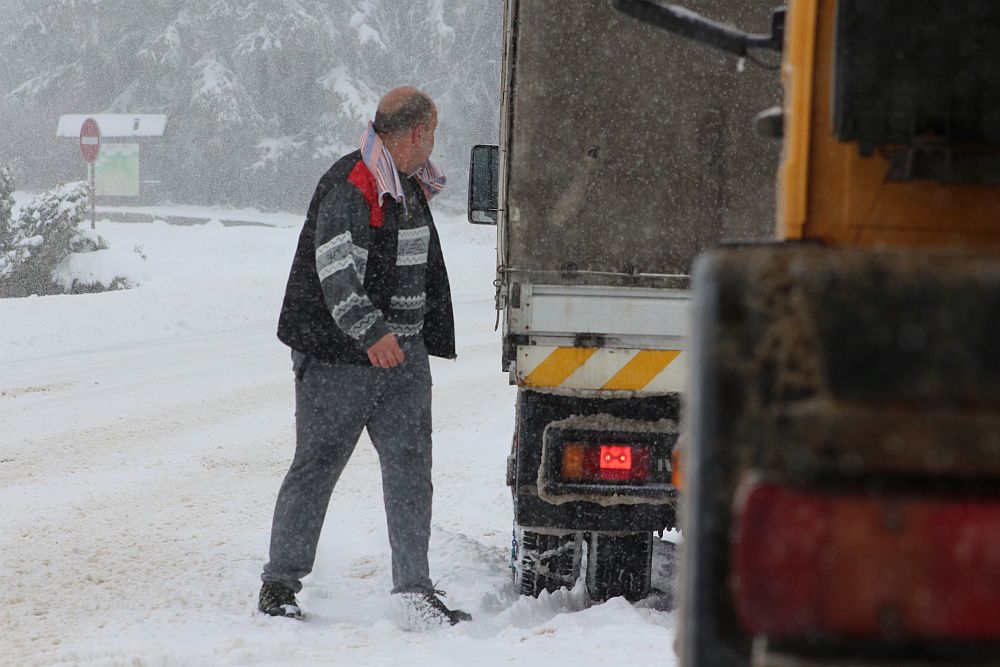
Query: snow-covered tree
[[39, 238], [6, 204], [36, 243]]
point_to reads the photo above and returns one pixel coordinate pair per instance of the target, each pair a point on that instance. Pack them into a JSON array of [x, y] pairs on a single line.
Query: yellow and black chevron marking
[[600, 368]]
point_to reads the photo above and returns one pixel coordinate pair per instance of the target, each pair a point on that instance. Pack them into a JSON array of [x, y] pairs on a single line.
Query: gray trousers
[[333, 403]]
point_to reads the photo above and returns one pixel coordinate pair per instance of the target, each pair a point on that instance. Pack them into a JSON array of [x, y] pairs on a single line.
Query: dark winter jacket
[[359, 271]]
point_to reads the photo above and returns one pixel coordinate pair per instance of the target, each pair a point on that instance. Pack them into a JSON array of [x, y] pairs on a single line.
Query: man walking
[[367, 301]]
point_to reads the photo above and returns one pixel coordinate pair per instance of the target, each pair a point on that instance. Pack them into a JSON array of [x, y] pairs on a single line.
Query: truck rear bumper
[[601, 507]]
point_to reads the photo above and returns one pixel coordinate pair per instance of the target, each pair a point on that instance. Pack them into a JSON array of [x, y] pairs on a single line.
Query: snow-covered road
[[143, 436]]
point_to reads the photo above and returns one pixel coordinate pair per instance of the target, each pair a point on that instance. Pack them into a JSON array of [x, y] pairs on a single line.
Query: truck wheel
[[619, 565], [545, 562], [663, 575]]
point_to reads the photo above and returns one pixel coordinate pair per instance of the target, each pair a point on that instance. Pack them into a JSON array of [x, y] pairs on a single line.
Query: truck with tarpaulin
[[599, 219]]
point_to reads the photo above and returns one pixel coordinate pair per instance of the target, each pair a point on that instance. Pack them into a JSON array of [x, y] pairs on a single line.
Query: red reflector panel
[[807, 564]]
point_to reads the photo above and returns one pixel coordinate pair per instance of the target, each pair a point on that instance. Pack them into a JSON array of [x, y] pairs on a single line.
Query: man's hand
[[386, 353]]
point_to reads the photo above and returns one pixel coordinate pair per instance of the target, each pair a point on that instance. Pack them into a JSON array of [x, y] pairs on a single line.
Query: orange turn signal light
[[572, 463]]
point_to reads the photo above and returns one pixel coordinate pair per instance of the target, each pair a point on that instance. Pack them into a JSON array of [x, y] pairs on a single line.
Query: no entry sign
[[90, 140]]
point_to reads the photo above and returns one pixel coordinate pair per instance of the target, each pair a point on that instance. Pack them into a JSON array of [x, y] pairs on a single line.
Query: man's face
[[426, 144]]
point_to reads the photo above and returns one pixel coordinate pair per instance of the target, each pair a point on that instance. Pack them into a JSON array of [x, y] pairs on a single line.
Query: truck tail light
[[608, 462], [677, 471], [813, 565], [616, 457], [573, 461]]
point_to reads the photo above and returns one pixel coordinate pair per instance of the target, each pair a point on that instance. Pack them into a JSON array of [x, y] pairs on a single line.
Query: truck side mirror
[[484, 184]]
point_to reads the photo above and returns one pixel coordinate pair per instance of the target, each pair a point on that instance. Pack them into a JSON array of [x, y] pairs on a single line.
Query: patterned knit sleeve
[[341, 257]]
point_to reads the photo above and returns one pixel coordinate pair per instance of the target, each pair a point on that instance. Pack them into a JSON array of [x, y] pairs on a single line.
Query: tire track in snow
[[109, 519]]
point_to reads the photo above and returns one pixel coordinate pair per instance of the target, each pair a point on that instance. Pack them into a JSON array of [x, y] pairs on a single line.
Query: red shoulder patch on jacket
[[361, 178]]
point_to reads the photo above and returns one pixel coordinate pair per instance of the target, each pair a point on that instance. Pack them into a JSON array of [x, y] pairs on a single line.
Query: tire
[[544, 562], [619, 565], [663, 577]]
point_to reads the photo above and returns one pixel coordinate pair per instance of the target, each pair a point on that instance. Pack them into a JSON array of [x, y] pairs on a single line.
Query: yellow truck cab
[[842, 474]]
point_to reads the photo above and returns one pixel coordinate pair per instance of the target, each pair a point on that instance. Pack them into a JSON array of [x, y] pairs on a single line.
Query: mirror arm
[[694, 26]]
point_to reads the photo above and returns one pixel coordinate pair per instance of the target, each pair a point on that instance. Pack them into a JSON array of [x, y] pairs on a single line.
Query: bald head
[[402, 109]]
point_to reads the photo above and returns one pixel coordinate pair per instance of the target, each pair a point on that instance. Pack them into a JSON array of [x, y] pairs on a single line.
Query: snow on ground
[[143, 437]]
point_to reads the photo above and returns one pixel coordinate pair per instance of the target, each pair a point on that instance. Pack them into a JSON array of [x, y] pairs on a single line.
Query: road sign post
[[90, 148]]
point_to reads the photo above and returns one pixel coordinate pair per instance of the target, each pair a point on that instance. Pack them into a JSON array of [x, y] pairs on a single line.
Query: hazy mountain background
[[261, 96]]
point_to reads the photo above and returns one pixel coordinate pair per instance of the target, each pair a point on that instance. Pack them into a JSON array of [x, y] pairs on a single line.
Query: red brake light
[[808, 564], [616, 457], [606, 462]]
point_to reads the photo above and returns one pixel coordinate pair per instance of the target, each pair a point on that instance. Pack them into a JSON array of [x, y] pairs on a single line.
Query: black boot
[[425, 611], [277, 599]]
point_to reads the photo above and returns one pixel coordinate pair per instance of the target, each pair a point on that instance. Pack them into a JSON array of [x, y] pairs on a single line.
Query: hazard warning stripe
[[639, 372], [612, 369], [558, 366]]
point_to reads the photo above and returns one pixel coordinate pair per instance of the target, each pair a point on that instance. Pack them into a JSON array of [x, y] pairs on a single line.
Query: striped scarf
[[379, 162]]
